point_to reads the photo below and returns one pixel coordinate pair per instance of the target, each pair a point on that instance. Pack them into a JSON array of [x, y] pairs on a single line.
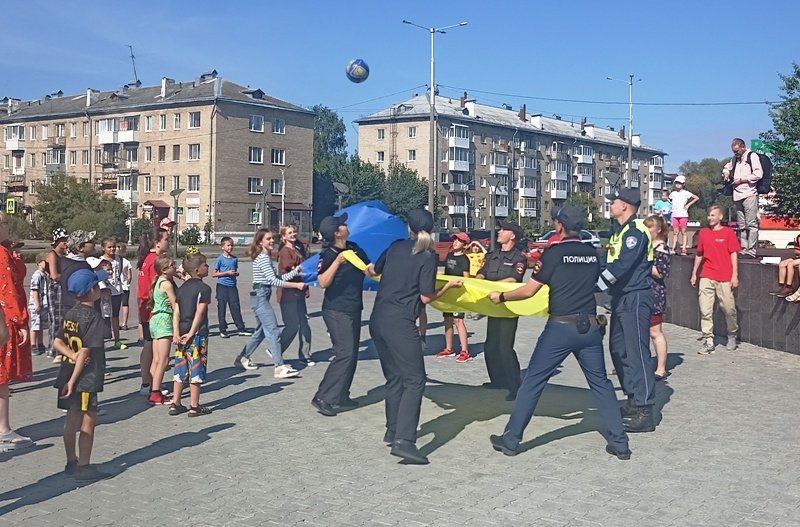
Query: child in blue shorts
[[191, 314]]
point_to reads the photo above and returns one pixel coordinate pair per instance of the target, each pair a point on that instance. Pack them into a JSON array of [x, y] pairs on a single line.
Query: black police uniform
[[498, 350], [393, 326], [628, 280], [456, 265], [341, 311], [571, 269]]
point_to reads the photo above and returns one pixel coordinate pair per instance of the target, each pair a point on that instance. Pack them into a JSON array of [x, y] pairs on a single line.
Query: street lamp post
[[283, 192], [340, 188], [432, 99], [492, 181], [630, 82], [175, 193]]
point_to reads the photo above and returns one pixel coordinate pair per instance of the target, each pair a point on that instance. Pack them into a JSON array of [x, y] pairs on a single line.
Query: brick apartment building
[[228, 149], [540, 161]]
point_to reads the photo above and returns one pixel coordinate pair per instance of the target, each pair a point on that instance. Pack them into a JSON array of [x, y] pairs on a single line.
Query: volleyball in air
[[357, 70]]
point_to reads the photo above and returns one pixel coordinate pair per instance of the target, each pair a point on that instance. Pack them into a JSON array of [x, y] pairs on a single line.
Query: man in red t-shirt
[[717, 251]]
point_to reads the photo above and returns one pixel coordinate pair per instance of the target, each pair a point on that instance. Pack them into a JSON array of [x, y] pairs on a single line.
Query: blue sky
[[683, 51]]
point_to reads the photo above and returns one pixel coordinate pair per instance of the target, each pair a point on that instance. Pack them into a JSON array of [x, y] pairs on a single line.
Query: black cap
[[628, 195], [570, 216], [420, 220], [513, 227], [329, 225]]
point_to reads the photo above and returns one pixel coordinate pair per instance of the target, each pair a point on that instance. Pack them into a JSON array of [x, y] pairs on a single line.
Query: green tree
[[365, 181], [71, 204], [330, 161], [704, 179], [585, 202], [190, 236], [527, 224], [783, 141], [403, 191]]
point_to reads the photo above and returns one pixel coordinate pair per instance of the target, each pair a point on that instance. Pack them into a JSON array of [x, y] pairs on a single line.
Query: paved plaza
[[725, 451]]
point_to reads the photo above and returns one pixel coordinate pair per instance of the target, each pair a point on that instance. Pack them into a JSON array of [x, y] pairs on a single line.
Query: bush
[[19, 228], [208, 232], [140, 226], [190, 236]]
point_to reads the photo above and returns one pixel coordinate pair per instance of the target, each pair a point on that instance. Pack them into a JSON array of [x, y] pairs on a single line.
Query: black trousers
[[498, 351], [400, 351], [629, 343], [295, 321], [228, 296], [345, 331]]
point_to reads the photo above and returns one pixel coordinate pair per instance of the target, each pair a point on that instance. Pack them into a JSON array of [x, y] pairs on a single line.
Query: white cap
[[680, 179]]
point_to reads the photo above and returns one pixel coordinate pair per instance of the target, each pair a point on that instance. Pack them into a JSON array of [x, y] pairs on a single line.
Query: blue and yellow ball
[[357, 70]]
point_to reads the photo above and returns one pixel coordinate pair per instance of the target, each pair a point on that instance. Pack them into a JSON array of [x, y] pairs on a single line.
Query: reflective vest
[[615, 243]]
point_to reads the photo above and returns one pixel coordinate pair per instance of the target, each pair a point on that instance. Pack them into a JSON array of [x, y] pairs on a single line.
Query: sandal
[[12, 440], [197, 411], [661, 377], [794, 297], [177, 409]]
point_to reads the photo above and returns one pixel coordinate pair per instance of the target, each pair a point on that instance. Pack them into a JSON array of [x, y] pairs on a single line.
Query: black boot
[[641, 421], [628, 409]]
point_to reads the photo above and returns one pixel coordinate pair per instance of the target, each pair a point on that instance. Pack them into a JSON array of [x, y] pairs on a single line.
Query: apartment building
[[535, 162], [225, 151]]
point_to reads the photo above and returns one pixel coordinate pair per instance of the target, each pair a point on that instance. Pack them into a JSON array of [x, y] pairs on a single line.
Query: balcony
[[459, 187], [457, 210], [635, 182], [458, 142], [55, 168], [584, 178], [525, 192], [526, 171], [499, 170], [15, 145], [557, 156], [529, 213], [556, 174], [57, 142], [656, 169], [583, 159], [458, 166], [108, 137], [634, 165], [18, 171], [128, 136], [558, 194], [16, 178], [656, 184], [501, 212]]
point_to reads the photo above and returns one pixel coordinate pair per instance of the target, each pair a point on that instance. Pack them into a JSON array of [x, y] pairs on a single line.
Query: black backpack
[[764, 185]]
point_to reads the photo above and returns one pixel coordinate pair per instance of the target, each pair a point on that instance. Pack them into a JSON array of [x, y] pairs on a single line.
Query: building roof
[[132, 97], [418, 107]]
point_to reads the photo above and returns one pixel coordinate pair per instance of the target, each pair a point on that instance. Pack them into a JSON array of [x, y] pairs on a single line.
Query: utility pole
[[629, 171]]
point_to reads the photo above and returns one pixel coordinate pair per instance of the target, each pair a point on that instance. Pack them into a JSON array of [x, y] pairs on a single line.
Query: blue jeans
[[266, 326]]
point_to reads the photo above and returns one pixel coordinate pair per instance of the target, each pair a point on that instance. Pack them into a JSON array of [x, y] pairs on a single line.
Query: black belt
[[573, 319], [257, 285]]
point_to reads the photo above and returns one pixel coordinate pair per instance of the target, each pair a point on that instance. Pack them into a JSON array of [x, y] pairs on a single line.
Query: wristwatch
[[502, 297]]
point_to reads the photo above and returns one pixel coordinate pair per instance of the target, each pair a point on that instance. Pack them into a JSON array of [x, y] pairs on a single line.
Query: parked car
[[535, 248]]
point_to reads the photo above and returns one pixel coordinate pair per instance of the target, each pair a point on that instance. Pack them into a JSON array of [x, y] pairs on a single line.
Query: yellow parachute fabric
[[473, 296]]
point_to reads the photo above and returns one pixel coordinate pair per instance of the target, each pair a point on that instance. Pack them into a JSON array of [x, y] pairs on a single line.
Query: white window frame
[[73, 129], [254, 185], [176, 121], [161, 184], [279, 126], [176, 182], [192, 116], [255, 155], [276, 186], [192, 215], [194, 152], [412, 155], [32, 133], [73, 158], [254, 119], [412, 132], [148, 184], [278, 156], [381, 134], [148, 154], [148, 123], [380, 156], [193, 184]]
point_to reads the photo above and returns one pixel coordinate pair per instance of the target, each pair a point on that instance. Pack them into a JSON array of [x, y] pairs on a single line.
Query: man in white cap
[[682, 200]]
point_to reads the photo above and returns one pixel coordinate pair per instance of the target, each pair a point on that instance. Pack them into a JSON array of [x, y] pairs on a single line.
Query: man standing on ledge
[[744, 171], [627, 279], [506, 264]]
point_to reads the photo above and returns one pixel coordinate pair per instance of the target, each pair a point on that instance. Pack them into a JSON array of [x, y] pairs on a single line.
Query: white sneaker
[[247, 364], [731, 345], [285, 372], [708, 347]]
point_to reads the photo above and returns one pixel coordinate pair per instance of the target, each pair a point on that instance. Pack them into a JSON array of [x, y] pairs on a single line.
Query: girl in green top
[[162, 326]]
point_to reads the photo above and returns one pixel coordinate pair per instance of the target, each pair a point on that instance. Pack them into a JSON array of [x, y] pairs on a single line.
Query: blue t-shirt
[[663, 207], [226, 264]]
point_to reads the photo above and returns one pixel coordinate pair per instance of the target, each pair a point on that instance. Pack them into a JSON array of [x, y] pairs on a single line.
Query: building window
[[176, 152], [73, 157], [255, 155], [162, 153], [44, 158], [148, 154], [148, 184], [444, 179], [162, 184], [381, 134], [148, 123], [32, 160], [45, 130], [162, 122], [176, 182], [278, 126], [381, 156], [194, 152], [194, 119], [194, 184], [192, 215], [278, 156], [275, 187], [412, 132], [55, 156], [412, 155], [32, 133], [256, 123], [73, 129], [7, 161], [98, 156], [61, 130], [254, 185], [132, 155], [254, 217], [176, 121], [32, 187], [483, 159]]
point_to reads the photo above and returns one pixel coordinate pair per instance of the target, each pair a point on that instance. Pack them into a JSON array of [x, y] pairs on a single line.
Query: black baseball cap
[[570, 216], [628, 195], [513, 227], [330, 224], [420, 220]]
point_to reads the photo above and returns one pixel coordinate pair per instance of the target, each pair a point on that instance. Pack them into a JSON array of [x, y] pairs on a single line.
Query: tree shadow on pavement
[[58, 484]]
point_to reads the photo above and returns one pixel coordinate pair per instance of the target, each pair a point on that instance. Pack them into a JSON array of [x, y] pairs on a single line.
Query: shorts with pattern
[[453, 315], [161, 326], [81, 401], [190, 361], [39, 321]]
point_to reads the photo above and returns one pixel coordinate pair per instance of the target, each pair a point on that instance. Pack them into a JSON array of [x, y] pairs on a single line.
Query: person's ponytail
[[423, 241]]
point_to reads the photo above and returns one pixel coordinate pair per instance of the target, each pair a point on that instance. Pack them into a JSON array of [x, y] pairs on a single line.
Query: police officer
[[408, 281], [506, 264], [571, 269], [341, 311], [627, 279]]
